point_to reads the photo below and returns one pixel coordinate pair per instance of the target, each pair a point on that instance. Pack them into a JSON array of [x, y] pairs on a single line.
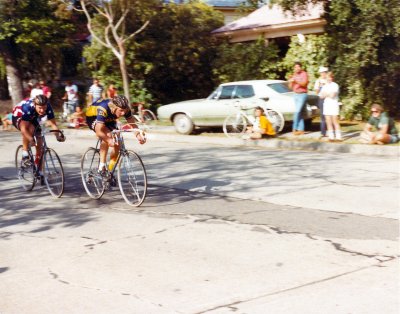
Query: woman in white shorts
[[330, 94]]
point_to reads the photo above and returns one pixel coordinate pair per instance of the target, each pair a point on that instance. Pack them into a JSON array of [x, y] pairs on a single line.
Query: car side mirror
[[265, 98]]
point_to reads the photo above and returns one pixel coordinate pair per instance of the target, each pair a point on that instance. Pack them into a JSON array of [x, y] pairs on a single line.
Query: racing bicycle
[[235, 125], [45, 167], [128, 171]]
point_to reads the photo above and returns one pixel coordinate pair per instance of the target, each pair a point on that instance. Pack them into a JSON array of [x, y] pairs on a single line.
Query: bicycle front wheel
[[235, 125], [91, 179], [132, 178], [26, 174], [148, 115], [276, 119], [53, 173]]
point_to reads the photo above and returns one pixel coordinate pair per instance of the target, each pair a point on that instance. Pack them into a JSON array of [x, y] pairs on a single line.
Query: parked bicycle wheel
[[132, 178], [276, 118], [91, 179], [235, 125], [26, 173], [148, 115], [53, 173]]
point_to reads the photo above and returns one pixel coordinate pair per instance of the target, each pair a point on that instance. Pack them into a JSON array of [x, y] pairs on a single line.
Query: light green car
[[228, 98]]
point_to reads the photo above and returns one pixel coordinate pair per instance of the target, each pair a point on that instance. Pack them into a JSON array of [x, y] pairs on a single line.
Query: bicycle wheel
[[132, 178], [26, 175], [235, 125], [276, 118], [91, 179], [148, 115], [53, 173]]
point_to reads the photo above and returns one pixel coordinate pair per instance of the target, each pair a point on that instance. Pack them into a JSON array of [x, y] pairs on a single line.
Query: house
[[274, 22]]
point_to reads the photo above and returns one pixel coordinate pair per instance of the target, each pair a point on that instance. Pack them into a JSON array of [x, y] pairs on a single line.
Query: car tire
[[183, 124]]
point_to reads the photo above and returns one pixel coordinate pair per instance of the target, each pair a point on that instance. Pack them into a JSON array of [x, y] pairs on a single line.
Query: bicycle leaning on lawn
[[45, 167], [236, 124], [128, 170], [143, 115]]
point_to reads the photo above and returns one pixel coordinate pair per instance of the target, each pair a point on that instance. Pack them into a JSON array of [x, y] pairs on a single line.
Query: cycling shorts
[[16, 121], [92, 121]]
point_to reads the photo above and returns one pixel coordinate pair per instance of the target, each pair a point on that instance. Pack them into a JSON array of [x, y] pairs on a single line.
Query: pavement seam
[[231, 305]]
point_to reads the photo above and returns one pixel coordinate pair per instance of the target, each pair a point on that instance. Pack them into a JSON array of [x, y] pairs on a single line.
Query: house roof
[[272, 17]]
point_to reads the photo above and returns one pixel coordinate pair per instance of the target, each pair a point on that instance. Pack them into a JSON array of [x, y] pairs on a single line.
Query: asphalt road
[[223, 230]]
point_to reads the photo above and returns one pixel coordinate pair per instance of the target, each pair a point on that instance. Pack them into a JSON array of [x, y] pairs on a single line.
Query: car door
[[213, 111]]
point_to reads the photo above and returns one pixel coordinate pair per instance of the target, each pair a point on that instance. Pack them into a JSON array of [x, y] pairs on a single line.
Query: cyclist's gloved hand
[[141, 137], [61, 137]]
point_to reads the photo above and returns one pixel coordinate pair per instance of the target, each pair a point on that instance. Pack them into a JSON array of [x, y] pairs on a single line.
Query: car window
[[244, 91], [281, 88], [226, 92], [215, 94]]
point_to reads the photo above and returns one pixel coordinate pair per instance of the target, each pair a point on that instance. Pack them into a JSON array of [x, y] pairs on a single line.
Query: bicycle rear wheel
[[235, 125], [53, 173], [148, 115], [91, 179], [26, 175], [132, 178], [276, 118]]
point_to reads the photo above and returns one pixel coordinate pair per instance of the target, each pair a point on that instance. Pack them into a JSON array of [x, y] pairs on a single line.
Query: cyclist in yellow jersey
[[101, 117]]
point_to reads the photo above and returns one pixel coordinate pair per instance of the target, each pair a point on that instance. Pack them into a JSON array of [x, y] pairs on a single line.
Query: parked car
[[230, 97]]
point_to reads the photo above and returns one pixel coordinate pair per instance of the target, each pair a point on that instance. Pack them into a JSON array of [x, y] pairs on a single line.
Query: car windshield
[[280, 88]]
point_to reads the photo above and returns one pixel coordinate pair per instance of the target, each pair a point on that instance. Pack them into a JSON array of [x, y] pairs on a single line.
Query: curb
[[315, 146]]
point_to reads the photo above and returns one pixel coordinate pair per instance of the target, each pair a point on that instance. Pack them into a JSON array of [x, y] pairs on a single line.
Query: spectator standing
[[46, 89], [298, 83], [386, 131], [36, 90], [71, 97], [111, 91], [96, 91], [330, 94], [319, 83]]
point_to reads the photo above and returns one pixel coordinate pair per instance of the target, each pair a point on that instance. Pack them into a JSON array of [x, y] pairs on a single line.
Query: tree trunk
[[13, 75], [124, 73]]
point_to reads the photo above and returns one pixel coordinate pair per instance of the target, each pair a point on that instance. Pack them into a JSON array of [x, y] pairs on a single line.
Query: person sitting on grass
[[385, 129], [7, 120], [77, 119], [262, 127]]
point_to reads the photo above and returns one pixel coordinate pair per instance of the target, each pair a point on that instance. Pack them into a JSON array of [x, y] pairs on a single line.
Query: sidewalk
[[307, 142]]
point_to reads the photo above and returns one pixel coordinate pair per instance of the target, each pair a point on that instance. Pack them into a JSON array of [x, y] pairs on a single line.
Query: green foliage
[[312, 53], [246, 61], [37, 35], [173, 55]]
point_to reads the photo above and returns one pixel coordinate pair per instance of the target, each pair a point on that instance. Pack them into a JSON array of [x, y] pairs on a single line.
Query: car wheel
[[183, 124]]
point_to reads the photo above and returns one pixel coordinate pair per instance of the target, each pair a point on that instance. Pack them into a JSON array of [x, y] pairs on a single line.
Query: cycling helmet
[[40, 100], [120, 102]]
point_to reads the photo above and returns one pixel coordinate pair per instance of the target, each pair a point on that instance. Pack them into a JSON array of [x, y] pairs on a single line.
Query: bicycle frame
[[122, 149], [44, 147]]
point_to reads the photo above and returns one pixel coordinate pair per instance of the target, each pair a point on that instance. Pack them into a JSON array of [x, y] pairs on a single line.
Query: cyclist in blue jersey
[[101, 117], [26, 117]]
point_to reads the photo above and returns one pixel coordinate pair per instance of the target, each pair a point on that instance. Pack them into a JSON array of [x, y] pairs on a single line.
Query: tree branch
[[137, 32]]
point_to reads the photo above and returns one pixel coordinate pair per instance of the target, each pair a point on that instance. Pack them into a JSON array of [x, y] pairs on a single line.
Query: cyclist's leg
[[115, 150], [27, 129]]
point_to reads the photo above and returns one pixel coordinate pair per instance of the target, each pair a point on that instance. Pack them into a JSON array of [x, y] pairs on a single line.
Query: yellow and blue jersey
[[100, 111]]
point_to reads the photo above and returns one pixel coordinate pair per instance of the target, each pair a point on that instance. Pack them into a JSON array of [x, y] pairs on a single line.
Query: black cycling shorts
[[91, 122]]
